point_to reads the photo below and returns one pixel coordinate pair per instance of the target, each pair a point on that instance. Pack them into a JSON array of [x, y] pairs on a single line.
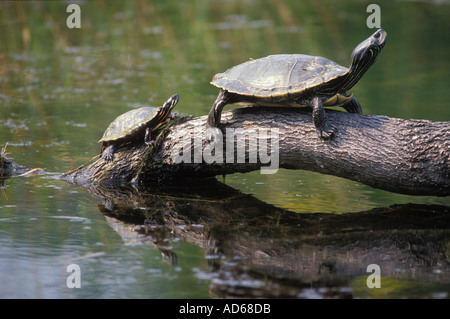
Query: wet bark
[[402, 156]]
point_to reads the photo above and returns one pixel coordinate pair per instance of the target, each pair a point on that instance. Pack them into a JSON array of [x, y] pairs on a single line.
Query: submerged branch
[[9, 168]]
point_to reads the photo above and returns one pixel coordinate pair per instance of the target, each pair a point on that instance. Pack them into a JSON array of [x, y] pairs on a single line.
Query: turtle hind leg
[[213, 122], [353, 106], [320, 119], [108, 152]]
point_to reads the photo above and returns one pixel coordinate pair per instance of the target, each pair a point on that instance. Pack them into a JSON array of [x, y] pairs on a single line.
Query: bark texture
[[402, 156]]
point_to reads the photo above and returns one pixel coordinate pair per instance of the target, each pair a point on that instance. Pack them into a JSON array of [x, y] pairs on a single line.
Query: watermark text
[[240, 146], [373, 280], [74, 19], [74, 279], [374, 19]]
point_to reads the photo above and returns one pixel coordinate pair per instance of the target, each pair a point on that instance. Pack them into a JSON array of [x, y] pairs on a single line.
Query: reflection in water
[[256, 250]]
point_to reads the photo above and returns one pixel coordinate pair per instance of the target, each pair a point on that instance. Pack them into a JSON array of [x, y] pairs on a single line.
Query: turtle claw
[[327, 133], [108, 158]]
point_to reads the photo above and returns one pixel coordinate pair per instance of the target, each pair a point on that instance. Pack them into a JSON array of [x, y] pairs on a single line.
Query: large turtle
[[296, 80], [135, 125]]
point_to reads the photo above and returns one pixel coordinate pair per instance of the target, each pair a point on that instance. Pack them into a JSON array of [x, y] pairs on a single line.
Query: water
[[254, 235]]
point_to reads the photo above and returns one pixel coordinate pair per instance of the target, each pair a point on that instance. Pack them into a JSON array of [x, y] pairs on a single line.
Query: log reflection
[[255, 249]]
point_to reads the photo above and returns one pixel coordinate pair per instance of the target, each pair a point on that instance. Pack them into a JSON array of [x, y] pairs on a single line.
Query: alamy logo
[[374, 19], [74, 279], [74, 19], [374, 280], [241, 146]]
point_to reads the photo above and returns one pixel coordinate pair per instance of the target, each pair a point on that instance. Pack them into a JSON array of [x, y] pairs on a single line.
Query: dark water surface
[[291, 234]]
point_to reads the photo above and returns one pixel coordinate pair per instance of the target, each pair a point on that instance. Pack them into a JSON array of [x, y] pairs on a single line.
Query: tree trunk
[[402, 156]]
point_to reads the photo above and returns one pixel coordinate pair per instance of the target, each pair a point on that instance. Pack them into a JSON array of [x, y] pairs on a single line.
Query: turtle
[[135, 125], [296, 80]]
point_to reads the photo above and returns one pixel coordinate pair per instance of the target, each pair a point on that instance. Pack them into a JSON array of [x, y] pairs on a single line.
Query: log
[[403, 156]]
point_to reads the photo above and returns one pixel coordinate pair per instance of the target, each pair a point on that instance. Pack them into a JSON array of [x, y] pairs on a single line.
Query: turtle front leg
[[108, 152], [320, 119], [212, 125], [216, 111], [148, 137]]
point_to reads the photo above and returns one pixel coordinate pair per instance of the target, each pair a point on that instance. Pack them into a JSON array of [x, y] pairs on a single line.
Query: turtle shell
[[129, 123], [279, 75]]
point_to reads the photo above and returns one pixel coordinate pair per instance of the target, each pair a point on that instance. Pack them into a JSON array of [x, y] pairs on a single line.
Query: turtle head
[[364, 55], [366, 52], [169, 105], [164, 111]]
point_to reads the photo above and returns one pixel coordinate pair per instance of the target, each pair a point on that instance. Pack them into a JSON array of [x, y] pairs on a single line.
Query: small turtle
[[134, 125], [296, 80]]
